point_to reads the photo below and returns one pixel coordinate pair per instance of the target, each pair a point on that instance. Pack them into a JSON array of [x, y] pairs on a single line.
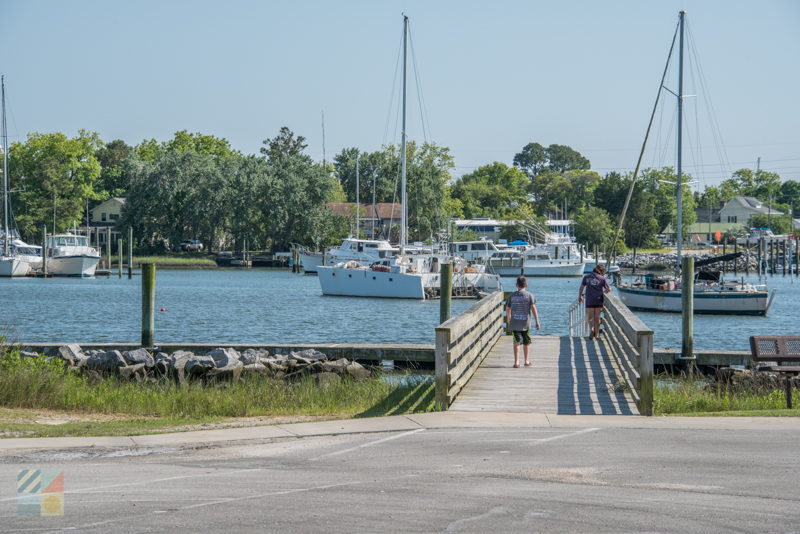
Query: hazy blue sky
[[494, 75]]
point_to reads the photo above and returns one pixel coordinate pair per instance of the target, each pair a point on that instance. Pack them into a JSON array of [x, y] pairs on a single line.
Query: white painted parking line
[[368, 444]]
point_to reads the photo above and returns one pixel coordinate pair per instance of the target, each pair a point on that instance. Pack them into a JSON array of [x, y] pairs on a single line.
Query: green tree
[[285, 144], [532, 159], [427, 173], [593, 227], [496, 191], [113, 181], [640, 226], [217, 147], [562, 158], [58, 176]]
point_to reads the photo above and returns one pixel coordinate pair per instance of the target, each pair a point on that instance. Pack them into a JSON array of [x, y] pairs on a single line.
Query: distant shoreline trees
[[196, 186]]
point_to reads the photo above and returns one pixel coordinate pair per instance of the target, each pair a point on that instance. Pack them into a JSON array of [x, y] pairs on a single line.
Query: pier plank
[[570, 375]]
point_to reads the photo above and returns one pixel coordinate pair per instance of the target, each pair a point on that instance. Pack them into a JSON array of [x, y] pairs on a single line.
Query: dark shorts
[[594, 306], [521, 336]]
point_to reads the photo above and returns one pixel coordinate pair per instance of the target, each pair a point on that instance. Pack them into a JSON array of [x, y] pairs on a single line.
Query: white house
[[738, 210], [109, 211]]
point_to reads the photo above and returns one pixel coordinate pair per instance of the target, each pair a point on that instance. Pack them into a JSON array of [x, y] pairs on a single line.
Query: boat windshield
[[67, 241]]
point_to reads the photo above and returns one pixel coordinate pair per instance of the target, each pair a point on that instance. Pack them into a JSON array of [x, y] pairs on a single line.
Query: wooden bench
[[781, 350]]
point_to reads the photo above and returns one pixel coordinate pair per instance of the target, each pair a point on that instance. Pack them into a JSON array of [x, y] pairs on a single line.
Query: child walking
[[521, 304]]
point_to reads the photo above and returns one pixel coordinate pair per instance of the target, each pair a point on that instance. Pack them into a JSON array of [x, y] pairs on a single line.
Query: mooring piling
[[119, 259], [687, 309], [130, 252], [445, 291], [148, 303]]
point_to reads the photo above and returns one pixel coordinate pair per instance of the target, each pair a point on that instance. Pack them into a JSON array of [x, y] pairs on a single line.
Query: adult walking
[[519, 307], [596, 287]]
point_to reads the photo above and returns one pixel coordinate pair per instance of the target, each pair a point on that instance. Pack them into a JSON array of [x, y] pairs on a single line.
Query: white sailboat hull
[[72, 265], [368, 283], [552, 268], [711, 302], [10, 267]]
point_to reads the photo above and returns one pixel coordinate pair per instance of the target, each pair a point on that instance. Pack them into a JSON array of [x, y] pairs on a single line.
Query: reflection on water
[[267, 306]]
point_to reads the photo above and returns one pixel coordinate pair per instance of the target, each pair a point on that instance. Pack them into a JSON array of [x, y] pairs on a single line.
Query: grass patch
[[42, 384], [694, 397]]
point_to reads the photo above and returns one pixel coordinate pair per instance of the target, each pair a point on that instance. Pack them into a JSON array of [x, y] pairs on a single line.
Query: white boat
[[71, 255], [559, 255], [11, 263], [11, 266], [664, 294], [409, 277], [473, 251], [403, 272]]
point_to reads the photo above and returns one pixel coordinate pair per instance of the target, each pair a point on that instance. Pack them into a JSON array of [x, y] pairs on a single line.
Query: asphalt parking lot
[[429, 479]]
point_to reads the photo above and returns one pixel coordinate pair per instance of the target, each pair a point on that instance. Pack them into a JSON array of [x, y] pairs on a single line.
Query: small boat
[[663, 294], [11, 261], [70, 255]]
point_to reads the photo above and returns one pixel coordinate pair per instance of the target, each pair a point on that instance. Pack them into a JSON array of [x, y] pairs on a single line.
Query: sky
[[493, 76]]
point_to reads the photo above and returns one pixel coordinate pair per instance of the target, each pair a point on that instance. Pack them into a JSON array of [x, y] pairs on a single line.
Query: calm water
[[267, 306]]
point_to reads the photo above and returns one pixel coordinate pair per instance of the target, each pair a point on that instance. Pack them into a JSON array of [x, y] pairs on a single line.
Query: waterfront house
[[738, 210], [382, 216], [103, 216]]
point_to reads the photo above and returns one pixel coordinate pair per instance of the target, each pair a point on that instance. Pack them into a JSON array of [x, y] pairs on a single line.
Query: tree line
[[196, 186]]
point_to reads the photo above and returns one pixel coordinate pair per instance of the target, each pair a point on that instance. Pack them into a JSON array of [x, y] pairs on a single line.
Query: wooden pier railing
[[630, 343], [462, 343]]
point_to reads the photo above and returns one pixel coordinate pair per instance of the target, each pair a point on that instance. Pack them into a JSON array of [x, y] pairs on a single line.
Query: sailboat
[[403, 275], [663, 294], [11, 264]]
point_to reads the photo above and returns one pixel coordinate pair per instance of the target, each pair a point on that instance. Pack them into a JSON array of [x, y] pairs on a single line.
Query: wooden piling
[[445, 291], [119, 258], [108, 249], [130, 252], [797, 256], [784, 252], [44, 250], [148, 303], [687, 309], [736, 261], [724, 251]]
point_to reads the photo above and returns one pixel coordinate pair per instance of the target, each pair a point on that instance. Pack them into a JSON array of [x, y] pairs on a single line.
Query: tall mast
[[5, 167], [679, 185], [358, 202], [404, 204]]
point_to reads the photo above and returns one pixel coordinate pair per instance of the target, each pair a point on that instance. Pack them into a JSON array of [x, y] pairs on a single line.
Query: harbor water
[[273, 306]]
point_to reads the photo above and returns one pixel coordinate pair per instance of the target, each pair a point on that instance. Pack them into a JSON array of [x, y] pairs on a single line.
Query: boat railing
[[462, 343]]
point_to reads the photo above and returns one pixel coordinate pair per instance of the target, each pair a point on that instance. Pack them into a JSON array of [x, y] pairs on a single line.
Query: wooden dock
[[570, 375]]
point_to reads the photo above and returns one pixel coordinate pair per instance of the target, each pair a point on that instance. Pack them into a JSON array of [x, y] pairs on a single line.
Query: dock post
[[119, 258], [724, 251], [130, 252], [148, 303], [108, 249], [44, 250], [736, 261], [771, 257], [687, 310], [445, 291], [760, 255], [797, 256], [784, 250]]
